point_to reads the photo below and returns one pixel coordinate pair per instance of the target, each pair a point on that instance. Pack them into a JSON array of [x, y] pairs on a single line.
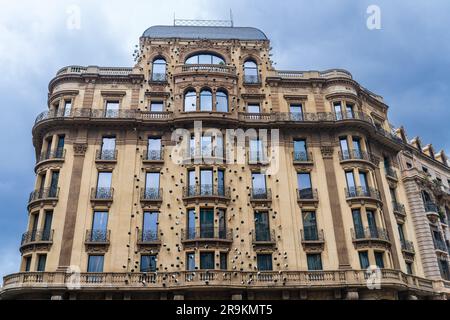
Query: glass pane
[[95, 263], [223, 261], [379, 260], [206, 260], [364, 259], [206, 223], [190, 261], [296, 112], [152, 180], [47, 225], [191, 224], [104, 180], [310, 226], [112, 109], [148, 263], [262, 231], [259, 182], [357, 222], [100, 221], [206, 100], [190, 101], [253, 108], [264, 262], [221, 101], [108, 143], [221, 182], [206, 181], [150, 226], [154, 144], [350, 181], [363, 180], [42, 259], [156, 106], [338, 110], [314, 262]]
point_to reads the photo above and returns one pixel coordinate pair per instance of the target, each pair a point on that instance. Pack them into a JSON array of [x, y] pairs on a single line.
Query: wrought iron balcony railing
[[307, 194], [355, 154], [399, 208], [431, 207], [362, 192], [302, 156], [153, 155], [148, 236], [34, 236], [252, 79], [44, 194], [151, 194], [158, 77], [106, 155], [207, 68], [102, 193], [58, 153], [207, 232], [407, 246], [390, 172], [263, 235], [260, 194], [370, 233], [310, 234], [206, 190], [100, 236], [439, 245]]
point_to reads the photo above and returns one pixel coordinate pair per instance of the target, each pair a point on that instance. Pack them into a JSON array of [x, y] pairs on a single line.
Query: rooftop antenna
[[174, 18], [231, 18]]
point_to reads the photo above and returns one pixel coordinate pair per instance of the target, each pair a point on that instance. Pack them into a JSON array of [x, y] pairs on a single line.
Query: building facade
[[203, 172]]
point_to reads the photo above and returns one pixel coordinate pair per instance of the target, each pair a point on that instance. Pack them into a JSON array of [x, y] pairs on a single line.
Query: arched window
[[190, 100], [206, 100], [159, 70], [250, 72], [204, 58], [221, 101]]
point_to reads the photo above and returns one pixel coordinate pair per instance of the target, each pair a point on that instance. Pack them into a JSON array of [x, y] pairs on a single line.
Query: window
[[262, 231], [221, 101], [259, 190], [206, 260], [264, 262], [27, 264], [250, 72], [191, 224], [296, 112], [205, 58], [152, 185], [257, 151], [349, 111], [34, 225], [95, 263], [60, 147], [148, 263], [357, 147], [108, 148], [253, 108], [42, 259], [150, 226], [206, 181], [357, 223], [401, 233], [206, 146], [409, 268], [223, 261], [363, 183], [112, 109], [364, 259], [104, 185], [300, 150], [67, 108], [372, 222], [48, 154], [310, 226], [154, 150], [190, 261], [191, 183], [344, 148], [190, 101], [443, 265], [304, 185], [47, 230], [314, 261], [159, 70], [206, 223], [221, 182], [222, 223], [53, 192], [99, 227], [206, 100], [338, 110], [350, 183], [156, 106], [379, 259]]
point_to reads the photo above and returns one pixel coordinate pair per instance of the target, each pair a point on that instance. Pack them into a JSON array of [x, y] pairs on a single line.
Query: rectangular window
[[364, 259], [42, 259], [191, 224], [401, 233], [34, 225], [349, 111], [150, 226], [206, 181], [206, 146], [222, 223], [60, 147], [152, 185], [99, 226], [218, 146], [264, 262], [156, 106], [42, 184], [67, 108], [409, 165], [190, 261], [221, 182], [95, 263], [253, 108], [262, 230], [409, 268], [393, 194], [154, 149], [206, 260], [108, 148], [53, 192], [46, 232], [148, 263], [223, 261], [314, 261], [300, 150], [344, 148], [350, 182], [304, 185], [256, 152], [338, 110], [356, 148], [104, 185], [191, 182], [310, 226], [363, 182], [445, 272], [259, 190], [27, 264], [206, 223], [372, 222], [379, 259], [424, 169], [112, 109], [357, 223], [296, 112], [48, 153]]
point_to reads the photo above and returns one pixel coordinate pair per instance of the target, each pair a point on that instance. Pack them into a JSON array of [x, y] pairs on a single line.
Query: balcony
[[399, 211], [256, 117], [307, 196], [151, 196], [302, 157], [148, 240], [408, 250], [157, 78], [36, 240], [153, 156], [391, 173], [56, 155], [370, 237], [97, 240], [102, 196], [440, 246], [362, 194], [356, 155], [206, 69], [207, 235], [312, 240], [44, 195], [432, 211], [106, 155], [260, 195], [206, 192], [252, 79], [263, 238]]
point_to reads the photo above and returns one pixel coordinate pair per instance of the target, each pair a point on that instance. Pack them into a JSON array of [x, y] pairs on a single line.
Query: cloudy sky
[[407, 61]]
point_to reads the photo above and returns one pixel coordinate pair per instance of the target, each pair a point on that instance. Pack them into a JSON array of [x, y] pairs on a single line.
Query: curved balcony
[[207, 235], [36, 240], [370, 237], [205, 69], [205, 192], [102, 196], [44, 196], [56, 155], [362, 194], [312, 239], [147, 240], [432, 211], [151, 196], [346, 156], [196, 280], [307, 196]]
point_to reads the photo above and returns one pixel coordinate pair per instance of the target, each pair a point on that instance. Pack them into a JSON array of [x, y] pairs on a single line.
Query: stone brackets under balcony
[[432, 211], [399, 211], [302, 158], [371, 238], [148, 241], [54, 156], [36, 240], [204, 237], [206, 193], [260, 197], [313, 241], [97, 240], [153, 156]]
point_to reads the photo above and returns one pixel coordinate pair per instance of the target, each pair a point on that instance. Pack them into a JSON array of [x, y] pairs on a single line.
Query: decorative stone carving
[[79, 149], [327, 152]]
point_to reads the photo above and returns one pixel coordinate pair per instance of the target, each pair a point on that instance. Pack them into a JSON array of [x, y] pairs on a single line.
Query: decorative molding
[[327, 152], [79, 149]]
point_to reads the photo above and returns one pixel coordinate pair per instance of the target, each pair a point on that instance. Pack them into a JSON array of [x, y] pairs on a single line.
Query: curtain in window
[[264, 262], [148, 263], [364, 259], [206, 260], [314, 261], [95, 263]]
